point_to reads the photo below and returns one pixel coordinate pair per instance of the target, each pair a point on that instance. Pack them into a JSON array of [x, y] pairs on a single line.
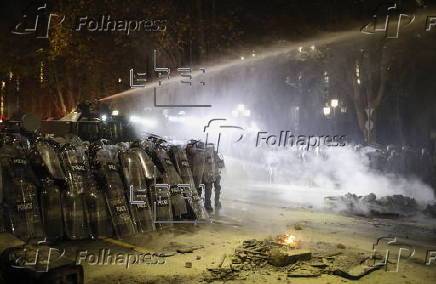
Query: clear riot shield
[[159, 195], [51, 209], [48, 153], [107, 167], [171, 178], [73, 199], [137, 192], [196, 157], [97, 212], [20, 194], [49, 169], [209, 165], [190, 192]]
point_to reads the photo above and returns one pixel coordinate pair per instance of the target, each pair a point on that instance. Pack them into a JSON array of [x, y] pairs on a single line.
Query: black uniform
[[212, 177]]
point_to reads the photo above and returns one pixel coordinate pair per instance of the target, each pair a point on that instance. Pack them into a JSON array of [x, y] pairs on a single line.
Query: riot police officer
[[212, 177]]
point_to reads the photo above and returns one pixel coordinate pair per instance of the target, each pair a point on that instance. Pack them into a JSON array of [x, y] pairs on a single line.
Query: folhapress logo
[[388, 19], [36, 20]]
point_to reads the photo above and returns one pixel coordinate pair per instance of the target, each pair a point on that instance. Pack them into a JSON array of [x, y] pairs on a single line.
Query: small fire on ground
[[287, 240]]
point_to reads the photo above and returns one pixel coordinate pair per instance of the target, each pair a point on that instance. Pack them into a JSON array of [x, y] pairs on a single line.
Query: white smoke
[[287, 176]]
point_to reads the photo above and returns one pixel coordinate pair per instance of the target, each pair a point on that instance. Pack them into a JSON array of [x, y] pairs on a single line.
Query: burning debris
[[287, 240], [289, 255]]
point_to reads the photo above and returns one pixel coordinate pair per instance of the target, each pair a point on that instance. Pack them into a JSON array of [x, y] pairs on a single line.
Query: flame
[[287, 240]]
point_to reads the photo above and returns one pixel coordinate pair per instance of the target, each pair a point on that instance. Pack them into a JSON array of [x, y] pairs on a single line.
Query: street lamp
[[326, 110], [241, 110], [334, 103]]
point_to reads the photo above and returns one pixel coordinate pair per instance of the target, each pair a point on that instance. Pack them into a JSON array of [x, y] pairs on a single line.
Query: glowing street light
[[241, 110], [115, 113], [334, 102], [242, 57], [326, 111]]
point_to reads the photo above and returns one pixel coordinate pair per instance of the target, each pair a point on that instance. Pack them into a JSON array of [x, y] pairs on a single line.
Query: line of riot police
[[68, 188]]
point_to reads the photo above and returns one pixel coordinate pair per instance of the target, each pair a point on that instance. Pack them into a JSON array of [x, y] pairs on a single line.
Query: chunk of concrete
[[282, 257]]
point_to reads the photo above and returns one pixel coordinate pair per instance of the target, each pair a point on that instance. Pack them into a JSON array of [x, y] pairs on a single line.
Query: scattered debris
[[283, 257], [298, 227], [340, 246], [369, 206], [188, 249], [188, 264], [312, 260], [430, 210]]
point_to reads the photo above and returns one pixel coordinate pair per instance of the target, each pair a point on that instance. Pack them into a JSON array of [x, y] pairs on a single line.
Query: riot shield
[[47, 165], [73, 201], [196, 157], [189, 190], [159, 194], [83, 186], [209, 165], [51, 210], [107, 167], [97, 212], [137, 191], [48, 153], [171, 178], [20, 193]]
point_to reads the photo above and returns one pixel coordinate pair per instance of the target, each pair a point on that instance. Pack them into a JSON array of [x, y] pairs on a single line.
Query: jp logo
[[209, 129], [404, 252], [388, 19], [36, 20], [32, 258]]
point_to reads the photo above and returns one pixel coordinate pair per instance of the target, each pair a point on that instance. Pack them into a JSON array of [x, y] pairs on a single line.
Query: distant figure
[[212, 177]]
